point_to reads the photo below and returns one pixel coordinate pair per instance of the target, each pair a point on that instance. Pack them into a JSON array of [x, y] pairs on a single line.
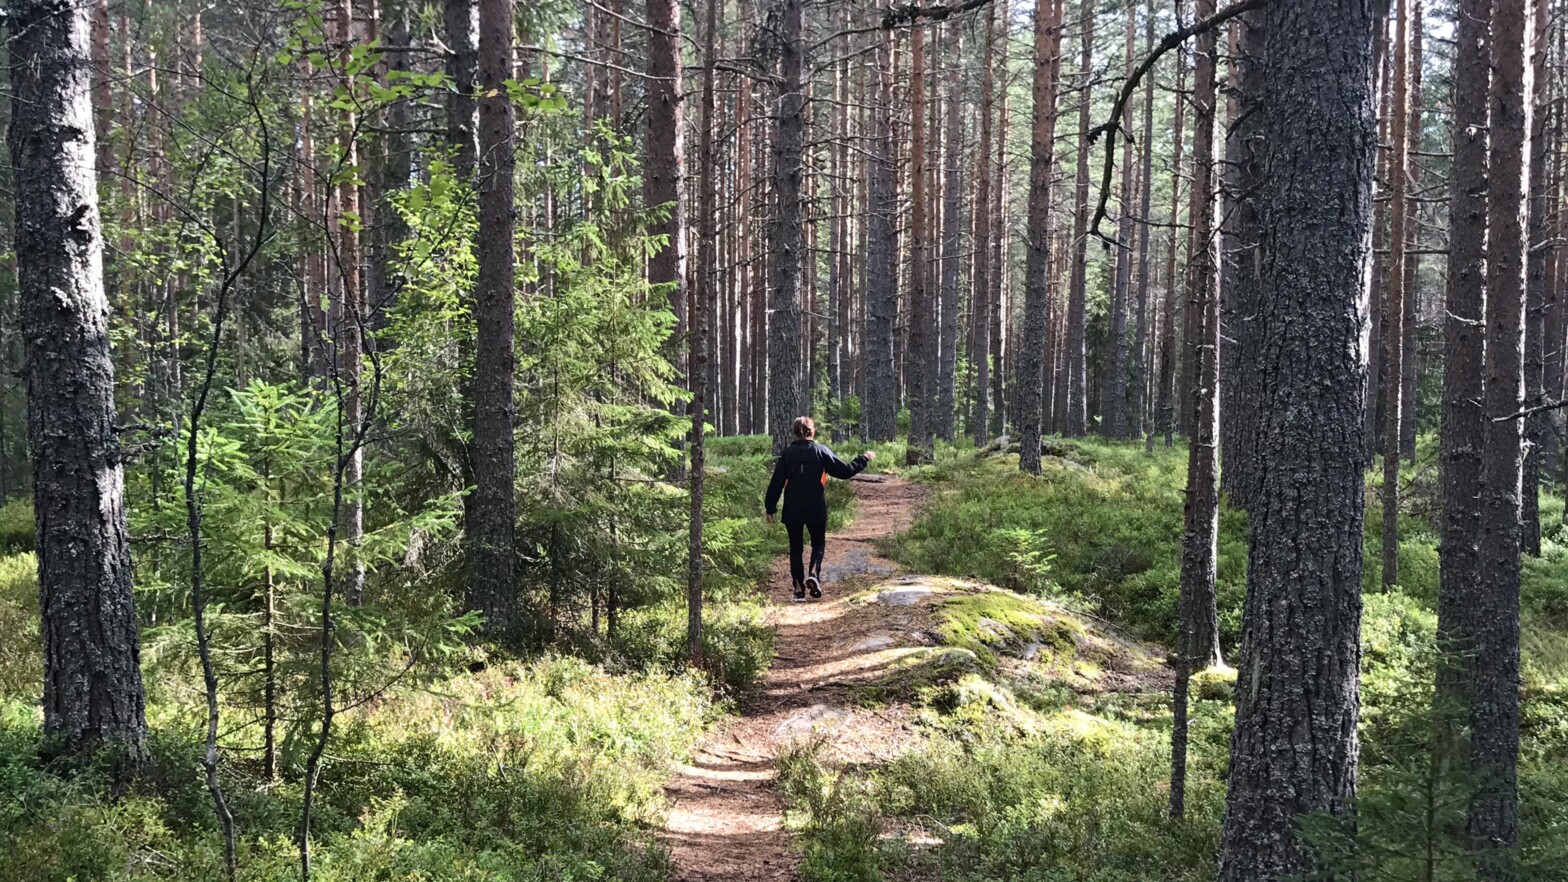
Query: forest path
[[726, 821]]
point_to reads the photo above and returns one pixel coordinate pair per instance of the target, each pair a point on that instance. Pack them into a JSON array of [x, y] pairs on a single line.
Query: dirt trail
[[726, 821]]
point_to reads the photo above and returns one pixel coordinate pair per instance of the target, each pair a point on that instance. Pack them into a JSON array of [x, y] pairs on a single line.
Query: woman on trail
[[801, 477]]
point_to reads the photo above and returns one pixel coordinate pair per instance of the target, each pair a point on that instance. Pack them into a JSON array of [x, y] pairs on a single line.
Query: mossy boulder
[[1215, 684]]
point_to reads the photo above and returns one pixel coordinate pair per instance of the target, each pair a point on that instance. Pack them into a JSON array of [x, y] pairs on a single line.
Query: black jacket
[[801, 476]]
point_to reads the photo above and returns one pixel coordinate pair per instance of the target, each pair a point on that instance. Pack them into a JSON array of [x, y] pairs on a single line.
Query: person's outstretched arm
[[839, 468], [770, 504]]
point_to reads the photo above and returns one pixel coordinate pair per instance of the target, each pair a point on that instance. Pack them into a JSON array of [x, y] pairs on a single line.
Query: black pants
[[797, 548]]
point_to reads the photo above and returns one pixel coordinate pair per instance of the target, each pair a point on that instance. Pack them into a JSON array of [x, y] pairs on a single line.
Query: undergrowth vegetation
[[447, 763], [1029, 772]]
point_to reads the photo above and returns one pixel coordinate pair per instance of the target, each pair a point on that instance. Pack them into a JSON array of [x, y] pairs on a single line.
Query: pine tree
[[92, 695], [1294, 749]]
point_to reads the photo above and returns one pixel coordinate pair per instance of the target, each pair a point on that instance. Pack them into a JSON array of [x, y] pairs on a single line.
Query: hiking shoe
[[800, 594], [814, 586]]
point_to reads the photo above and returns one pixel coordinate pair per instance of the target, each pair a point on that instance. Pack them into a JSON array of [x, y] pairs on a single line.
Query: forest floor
[[726, 821]]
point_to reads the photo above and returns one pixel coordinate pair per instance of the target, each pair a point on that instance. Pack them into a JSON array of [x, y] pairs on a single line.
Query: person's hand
[[769, 518], [869, 455]]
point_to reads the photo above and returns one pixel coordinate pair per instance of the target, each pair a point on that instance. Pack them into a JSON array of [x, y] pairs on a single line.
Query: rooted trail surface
[[726, 821]]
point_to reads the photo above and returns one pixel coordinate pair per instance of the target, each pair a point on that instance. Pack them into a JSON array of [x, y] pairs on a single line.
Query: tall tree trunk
[[1197, 645], [784, 368], [1494, 709], [1377, 278], [702, 294], [663, 176], [1294, 748], [1114, 384], [1029, 384], [1000, 322], [92, 694], [1463, 436], [1075, 422], [1166, 424], [1394, 301], [461, 19], [493, 530], [880, 405], [1410, 365], [952, 242], [1537, 426], [1239, 286], [349, 332], [982, 284], [923, 340], [1138, 382]]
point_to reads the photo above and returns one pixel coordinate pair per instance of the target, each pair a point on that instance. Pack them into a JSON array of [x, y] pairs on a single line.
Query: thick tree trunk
[[1494, 644], [493, 529], [1029, 383], [784, 368], [1075, 421], [1294, 749], [1239, 288], [92, 695], [879, 407], [1463, 435]]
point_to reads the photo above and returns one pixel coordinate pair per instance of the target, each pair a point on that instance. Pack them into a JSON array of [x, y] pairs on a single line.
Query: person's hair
[[804, 428]]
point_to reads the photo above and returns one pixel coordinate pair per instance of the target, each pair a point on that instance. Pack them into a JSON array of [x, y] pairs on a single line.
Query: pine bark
[[1114, 384], [1138, 406], [1493, 821], [1239, 288], [1000, 321], [980, 312], [1537, 427], [1029, 383], [1394, 300], [1463, 436], [1165, 424], [921, 354], [784, 368], [461, 20], [1197, 645], [350, 324], [952, 243], [1410, 365], [879, 408], [1076, 414], [492, 530], [1294, 749], [702, 294], [92, 692]]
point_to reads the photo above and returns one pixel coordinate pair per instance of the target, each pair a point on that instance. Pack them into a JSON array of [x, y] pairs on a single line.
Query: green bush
[[18, 532], [548, 770], [1101, 527], [21, 657]]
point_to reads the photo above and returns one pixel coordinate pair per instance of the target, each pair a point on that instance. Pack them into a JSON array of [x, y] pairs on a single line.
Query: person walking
[[800, 476]]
